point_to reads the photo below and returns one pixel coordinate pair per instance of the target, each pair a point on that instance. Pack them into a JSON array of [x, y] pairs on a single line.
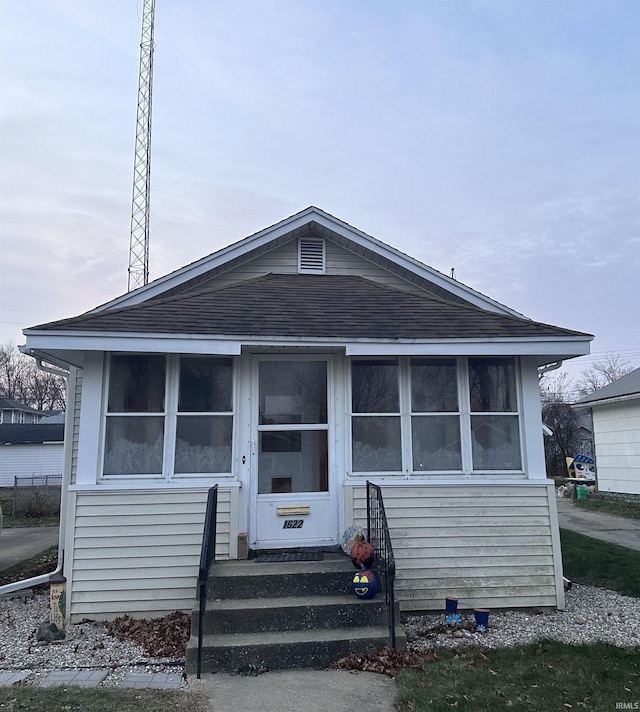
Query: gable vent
[[311, 255]]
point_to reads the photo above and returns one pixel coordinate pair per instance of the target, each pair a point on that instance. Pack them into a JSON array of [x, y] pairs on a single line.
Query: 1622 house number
[[292, 523]]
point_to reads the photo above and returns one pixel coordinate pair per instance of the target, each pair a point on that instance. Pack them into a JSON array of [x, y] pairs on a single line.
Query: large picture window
[[168, 417], [434, 416]]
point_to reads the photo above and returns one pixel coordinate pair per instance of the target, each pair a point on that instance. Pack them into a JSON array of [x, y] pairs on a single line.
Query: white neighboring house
[[616, 433], [30, 450], [289, 368]]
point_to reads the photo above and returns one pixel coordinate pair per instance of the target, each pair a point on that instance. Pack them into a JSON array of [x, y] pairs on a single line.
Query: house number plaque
[[292, 523]]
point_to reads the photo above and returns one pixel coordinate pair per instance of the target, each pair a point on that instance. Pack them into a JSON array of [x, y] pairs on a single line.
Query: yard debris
[[387, 661], [160, 637]]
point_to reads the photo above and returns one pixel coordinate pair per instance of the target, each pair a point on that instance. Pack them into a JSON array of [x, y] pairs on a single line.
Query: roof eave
[[70, 346]]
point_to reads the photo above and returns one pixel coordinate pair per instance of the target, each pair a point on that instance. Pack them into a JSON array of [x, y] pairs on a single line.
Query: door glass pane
[[293, 392], [136, 384], [376, 444], [492, 385], [205, 385], [203, 444], [134, 445], [495, 442], [374, 386], [293, 461], [436, 442], [434, 385]]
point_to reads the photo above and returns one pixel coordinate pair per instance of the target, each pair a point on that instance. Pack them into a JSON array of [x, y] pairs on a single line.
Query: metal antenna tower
[[139, 243]]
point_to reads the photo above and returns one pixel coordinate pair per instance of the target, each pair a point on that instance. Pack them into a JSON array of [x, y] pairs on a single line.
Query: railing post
[[380, 539], [207, 557]]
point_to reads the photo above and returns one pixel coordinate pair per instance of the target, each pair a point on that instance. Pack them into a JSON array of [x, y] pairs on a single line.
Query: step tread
[[291, 637], [335, 562], [231, 604]]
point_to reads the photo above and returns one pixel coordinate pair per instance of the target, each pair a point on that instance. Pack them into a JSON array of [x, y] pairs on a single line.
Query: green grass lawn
[[78, 699], [599, 563], [541, 677], [609, 503]]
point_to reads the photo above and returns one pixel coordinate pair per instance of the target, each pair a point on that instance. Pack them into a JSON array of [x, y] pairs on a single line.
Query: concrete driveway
[[606, 527], [21, 543]]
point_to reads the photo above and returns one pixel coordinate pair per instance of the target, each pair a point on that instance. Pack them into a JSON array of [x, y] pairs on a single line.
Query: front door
[[292, 488]]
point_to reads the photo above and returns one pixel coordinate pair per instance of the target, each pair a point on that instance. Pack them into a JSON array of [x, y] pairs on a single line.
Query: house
[[290, 368], [11, 411], [616, 433], [32, 450]]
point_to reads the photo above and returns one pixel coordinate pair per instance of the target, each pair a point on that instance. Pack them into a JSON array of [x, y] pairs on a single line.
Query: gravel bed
[[87, 645], [592, 614]]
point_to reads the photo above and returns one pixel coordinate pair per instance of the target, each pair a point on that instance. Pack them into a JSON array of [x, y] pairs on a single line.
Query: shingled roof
[[308, 306]]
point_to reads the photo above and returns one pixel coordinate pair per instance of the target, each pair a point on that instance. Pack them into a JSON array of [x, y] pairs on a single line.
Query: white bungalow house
[[616, 433], [290, 368]]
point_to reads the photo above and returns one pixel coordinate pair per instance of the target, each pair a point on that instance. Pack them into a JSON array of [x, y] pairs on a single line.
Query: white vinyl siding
[[338, 261], [616, 434], [30, 460], [137, 552], [74, 399], [492, 546]]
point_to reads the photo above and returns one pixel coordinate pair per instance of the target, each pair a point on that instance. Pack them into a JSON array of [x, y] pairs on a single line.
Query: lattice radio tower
[[139, 243]]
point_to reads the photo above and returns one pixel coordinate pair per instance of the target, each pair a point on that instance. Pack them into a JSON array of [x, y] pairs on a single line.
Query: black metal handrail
[[385, 563], [207, 557]]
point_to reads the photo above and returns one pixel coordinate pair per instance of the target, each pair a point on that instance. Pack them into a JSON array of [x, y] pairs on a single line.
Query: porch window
[[134, 435], [168, 416], [434, 415], [495, 437], [375, 423], [204, 420]]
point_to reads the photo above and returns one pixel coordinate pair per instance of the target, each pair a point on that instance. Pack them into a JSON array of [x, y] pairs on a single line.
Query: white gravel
[[87, 645], [592, 614]]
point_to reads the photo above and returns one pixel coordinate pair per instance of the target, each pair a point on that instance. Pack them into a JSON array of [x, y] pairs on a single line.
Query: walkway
[[18, 544], [606, 527]]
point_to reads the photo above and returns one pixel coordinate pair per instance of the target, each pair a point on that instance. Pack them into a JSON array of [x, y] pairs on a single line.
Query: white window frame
[[464, 414], [170, 416]]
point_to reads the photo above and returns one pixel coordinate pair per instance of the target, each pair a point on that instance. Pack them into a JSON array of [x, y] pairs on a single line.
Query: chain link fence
[[36, 496]]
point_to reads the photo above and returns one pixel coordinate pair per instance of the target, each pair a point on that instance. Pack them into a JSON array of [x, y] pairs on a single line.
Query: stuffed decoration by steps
[[364, 584], [362, 555]]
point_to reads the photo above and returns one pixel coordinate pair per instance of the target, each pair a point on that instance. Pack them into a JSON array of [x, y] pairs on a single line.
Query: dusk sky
[[499, 138]]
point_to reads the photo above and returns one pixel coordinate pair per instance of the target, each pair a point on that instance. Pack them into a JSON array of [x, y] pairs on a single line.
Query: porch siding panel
[[77, 399], [137, 552], [489, 545]]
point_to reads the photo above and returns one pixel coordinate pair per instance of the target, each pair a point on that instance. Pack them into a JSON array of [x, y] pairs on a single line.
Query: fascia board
[[57, 343], [606, 401]]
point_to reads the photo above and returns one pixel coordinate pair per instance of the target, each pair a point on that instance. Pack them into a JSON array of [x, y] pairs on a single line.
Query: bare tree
[[603, 372], [21, 380]]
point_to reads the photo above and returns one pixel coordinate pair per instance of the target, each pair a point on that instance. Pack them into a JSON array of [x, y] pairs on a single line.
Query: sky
[[497, 138]]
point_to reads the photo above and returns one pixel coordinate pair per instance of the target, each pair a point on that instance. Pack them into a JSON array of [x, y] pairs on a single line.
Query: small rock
[[467, 633], [580, 620], [48, 633], [458, 634]]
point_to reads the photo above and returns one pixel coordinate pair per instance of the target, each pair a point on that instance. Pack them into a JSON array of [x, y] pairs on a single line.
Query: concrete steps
[[286, 615]]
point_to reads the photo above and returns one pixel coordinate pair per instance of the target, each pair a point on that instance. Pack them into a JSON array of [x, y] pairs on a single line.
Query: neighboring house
[[32, 450], [616, 433], [11, 411], [290, 368]]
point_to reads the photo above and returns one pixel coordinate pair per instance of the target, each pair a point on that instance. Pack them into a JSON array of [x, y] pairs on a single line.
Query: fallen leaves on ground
[[387, 661], [165, 637]]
